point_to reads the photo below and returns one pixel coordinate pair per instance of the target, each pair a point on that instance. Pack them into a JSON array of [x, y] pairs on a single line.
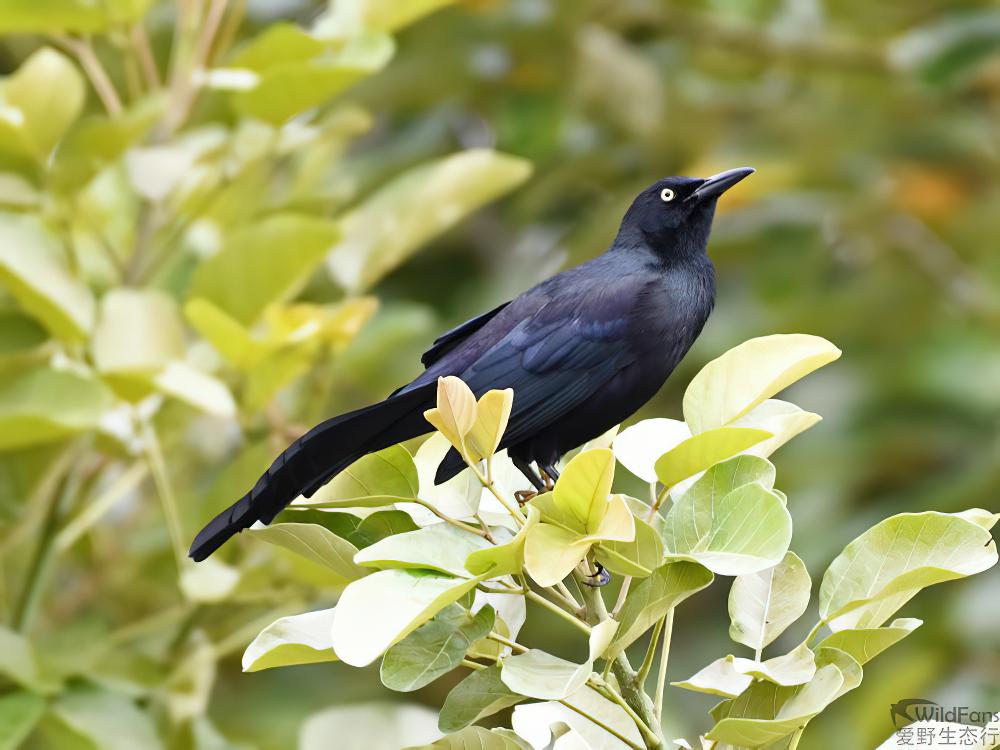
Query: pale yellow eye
[[666, 195]]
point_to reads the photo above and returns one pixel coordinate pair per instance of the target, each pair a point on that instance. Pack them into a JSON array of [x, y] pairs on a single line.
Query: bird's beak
[[717, 184]]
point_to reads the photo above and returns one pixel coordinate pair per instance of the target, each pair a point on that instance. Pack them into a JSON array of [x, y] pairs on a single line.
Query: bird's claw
[[523, 496], [601, 578]]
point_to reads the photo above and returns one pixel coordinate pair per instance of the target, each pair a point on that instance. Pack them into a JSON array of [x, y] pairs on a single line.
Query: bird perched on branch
[[582, 352]]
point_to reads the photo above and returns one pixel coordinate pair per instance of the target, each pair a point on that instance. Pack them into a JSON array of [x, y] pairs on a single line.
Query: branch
[[84, 52], [661, 676]]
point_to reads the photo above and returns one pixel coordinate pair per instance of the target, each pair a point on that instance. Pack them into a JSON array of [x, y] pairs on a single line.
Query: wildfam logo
[[910, 710]]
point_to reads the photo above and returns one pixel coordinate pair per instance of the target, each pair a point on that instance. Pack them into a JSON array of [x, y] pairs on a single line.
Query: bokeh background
[[223, 221]]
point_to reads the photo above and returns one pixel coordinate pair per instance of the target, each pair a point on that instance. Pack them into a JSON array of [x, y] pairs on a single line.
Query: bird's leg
[[550, 474], [601, 578], [523, 496]]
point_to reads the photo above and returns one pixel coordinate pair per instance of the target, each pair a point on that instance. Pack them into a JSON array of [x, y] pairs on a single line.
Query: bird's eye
[[666, 195]]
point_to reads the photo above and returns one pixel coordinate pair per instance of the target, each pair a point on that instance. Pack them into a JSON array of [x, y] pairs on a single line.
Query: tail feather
[[315, 458]]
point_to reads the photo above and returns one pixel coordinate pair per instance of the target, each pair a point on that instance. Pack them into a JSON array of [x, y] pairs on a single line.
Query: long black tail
[[315, 458]]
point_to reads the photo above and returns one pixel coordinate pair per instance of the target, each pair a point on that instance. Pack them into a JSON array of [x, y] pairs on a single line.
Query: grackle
[[582, 351]]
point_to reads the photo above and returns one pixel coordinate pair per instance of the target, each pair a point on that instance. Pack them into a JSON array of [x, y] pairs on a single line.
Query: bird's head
[[673, 216]]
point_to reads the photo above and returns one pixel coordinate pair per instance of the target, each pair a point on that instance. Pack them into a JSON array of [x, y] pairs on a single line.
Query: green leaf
[[478, 738], [704, 450], [638, 447], [718, 678], [315, 543], [747, 375], [138, 332], [551, 552], [480, 694], [946, 50], [794, 668], [346, 19], [653, 597], [19, 333], [32, 269], [50, 16], [296, 72], [298, 639], [454, 414], [534, 721], [264, 263], [209, 581], [376, 480], [767, 712], [392, 224], [19, 713], [887, 565], [864, 644], [782, 419], [763, 604], [196, 388], [49, 93], [440, 547], [364, 726], [492, 413], [743, 530], [731, 675], [583, 488], [503, 559], [637, 558], [17, 659], [95, 141], [42, 405], [538, 674], [361, 532], [435, 648], [225, 333], [106, 720], [365, 626]]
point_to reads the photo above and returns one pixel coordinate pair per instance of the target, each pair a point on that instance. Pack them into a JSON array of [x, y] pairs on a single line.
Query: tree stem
[[639, 706]]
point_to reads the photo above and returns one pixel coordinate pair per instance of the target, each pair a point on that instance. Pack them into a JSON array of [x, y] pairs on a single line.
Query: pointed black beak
[[717, 184]]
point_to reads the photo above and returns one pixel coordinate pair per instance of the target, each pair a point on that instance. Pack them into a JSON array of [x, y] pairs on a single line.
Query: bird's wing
[[450, 339], [558, 358]]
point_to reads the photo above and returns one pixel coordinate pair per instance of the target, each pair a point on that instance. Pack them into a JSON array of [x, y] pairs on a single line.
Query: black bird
[[582, 351]]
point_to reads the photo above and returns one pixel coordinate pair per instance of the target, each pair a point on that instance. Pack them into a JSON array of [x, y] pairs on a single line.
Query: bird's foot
[[601, 578], [549, 477], [523, 496]]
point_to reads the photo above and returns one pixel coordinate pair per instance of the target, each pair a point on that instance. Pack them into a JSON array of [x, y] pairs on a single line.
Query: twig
[[144, 53], [448, 519], [647, 662], [95, 509], [650, 737], [539, 599], [91, 65], [597, 722], [227, 34], [491, 488], [661, 676], [34, 582], [158, 468], [494, 636]]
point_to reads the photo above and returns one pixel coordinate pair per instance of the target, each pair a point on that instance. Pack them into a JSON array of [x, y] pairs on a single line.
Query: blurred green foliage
[[208, 217]]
